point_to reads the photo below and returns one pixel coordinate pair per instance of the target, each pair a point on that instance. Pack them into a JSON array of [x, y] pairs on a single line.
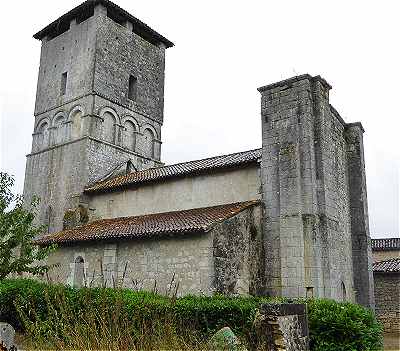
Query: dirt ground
[[19, 341]]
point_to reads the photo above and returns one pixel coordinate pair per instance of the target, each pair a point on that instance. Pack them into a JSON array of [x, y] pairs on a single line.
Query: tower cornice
[[138, 27]]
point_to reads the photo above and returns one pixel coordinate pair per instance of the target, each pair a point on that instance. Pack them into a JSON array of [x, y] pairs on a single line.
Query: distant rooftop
[[385, 244], [388, 266], [119, 15]]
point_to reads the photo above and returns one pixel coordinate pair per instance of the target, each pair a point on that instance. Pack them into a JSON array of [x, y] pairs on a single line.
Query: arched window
[[79, 272], [43, 136], [109, 127], [148, 143], [343, 292], [76, 127], [59, 131], [129, 135]]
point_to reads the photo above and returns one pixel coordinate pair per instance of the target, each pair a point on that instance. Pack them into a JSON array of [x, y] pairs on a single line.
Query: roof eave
[[72, 238], [165, 234], [387, 272]]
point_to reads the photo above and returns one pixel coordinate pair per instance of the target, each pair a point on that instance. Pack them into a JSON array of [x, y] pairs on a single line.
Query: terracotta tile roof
[[385, 244], [152, 225], [387, 266], [177, 170]]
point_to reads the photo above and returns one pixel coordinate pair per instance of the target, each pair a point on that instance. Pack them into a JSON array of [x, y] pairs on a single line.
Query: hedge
[[333, 325]]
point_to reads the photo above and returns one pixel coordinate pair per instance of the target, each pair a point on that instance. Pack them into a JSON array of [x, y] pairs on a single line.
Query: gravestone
[[7, 336]]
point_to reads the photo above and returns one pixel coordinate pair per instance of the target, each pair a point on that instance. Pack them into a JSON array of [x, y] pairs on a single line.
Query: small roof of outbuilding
[[385, 244], [387, 266], [140, 28], [206, 165], [198, 220]]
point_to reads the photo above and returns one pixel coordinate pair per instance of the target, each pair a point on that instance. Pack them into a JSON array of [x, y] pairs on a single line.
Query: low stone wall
[[387, 300], [283, 327]]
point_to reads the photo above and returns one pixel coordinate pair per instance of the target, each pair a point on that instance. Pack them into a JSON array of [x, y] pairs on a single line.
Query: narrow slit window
[[132, 88], [63, 83]]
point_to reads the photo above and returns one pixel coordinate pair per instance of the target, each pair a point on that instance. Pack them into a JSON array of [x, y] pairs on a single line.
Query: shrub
[[11, 289], [342, 326], [114, 318]]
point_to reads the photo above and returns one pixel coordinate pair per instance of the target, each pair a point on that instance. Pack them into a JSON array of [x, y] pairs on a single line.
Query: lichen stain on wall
[[237, 254]]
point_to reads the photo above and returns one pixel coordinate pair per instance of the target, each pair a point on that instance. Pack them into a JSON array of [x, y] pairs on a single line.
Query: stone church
[[288, 219]]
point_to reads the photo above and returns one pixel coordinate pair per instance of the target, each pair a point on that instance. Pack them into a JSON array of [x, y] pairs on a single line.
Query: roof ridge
[[202, 164], [202, 159]]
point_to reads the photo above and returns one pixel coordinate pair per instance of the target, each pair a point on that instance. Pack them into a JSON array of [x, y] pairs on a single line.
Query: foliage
[[17, 252], [342, 326], [56, 316]]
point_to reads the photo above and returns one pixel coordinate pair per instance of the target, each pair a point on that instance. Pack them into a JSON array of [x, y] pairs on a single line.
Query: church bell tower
[[99, 104]]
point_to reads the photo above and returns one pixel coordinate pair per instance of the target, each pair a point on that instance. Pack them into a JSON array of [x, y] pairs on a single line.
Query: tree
[[18, 252]]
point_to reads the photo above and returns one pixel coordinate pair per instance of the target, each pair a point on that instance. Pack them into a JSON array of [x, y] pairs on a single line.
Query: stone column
[[52, 135], [157, 149], [361, 241]]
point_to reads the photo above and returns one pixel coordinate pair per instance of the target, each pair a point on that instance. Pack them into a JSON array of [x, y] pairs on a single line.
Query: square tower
[[317, 240], [99, 103]]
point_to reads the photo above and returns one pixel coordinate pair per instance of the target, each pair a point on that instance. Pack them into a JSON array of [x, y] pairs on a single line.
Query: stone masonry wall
[[305, 189], [72, 52], [235, 185], [387, 301], [148, 262], [58, 175], [121, 53], [103, 158], [198, 261], [238, 254], [332, 195]]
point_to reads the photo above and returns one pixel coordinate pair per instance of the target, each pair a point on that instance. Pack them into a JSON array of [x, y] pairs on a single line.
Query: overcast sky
[[223, 51]]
